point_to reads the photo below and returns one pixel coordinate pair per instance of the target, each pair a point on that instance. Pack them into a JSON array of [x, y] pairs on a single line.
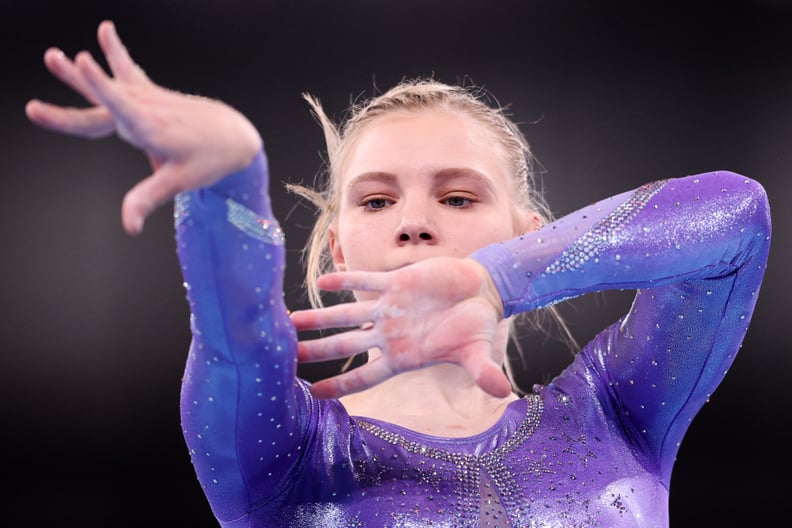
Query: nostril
[[404, 237], [425, 236]]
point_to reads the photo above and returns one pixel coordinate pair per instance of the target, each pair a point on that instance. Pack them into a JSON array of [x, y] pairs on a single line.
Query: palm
[[427, 313]]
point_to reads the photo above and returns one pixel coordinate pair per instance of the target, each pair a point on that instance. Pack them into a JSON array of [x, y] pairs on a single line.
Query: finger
[[337, 346], [147, 195], [353, 381], [376, 281], [488, 375], [339, 316], [67, 72], [85, 122], [106, 91], [117, 55]]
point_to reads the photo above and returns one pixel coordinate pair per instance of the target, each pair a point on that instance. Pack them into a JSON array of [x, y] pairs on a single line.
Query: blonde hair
[[411, 96]]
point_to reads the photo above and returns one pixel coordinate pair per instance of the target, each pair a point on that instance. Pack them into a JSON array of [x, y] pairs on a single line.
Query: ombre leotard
[[595, 447]]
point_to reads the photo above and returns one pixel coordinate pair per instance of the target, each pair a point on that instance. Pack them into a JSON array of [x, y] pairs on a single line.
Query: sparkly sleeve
[[695, 250], [242, 409]]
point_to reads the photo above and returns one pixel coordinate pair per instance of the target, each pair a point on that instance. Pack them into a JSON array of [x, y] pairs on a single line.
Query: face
[[421, 185]]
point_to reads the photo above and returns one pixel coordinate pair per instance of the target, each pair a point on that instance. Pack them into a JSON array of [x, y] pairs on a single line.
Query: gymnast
[[429, 219]]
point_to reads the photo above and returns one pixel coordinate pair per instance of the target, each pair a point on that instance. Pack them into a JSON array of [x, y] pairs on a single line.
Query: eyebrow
[[375, 176], [441, 176]]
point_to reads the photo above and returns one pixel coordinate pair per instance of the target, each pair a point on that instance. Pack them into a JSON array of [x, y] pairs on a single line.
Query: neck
[[441, 399], [421, 391]]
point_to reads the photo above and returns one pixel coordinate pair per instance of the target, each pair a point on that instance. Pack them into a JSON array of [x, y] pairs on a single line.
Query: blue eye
[[458, 201], [376, 203]]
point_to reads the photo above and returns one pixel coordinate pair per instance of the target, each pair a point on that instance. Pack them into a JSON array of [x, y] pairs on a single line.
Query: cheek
[[475, 233], [357, 241], [497, 226]]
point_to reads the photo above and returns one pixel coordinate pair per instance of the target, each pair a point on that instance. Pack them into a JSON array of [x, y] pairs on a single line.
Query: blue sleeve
[[695, 250], [243, 411]]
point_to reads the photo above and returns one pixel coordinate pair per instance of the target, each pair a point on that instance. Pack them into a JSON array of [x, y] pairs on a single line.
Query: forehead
[[450, 123], [416, 140]]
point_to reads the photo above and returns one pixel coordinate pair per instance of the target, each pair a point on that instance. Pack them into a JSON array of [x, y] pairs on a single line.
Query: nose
[[415, 230]]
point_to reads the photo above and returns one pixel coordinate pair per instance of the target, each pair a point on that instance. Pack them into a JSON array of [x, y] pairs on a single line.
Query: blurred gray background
[[94, 324]]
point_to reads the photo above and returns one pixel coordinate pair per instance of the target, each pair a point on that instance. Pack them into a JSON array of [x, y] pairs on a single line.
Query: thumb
[[148, 194], [487, 374]]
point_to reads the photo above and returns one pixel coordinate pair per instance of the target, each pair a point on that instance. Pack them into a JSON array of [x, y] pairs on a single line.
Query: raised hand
[[437, 310], [191, 141]]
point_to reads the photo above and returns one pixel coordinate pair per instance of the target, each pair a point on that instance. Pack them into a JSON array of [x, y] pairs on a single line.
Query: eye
[[375, 203], [458, 201]]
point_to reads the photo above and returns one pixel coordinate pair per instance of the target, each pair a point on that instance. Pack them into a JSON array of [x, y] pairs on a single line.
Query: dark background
[[94, 325]]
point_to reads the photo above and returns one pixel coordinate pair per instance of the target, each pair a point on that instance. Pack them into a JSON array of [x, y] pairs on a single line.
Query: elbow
[[747, 201], [755, 206], [744, 198]]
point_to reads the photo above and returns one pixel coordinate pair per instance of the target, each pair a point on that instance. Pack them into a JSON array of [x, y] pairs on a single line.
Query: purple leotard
[[595, 447]]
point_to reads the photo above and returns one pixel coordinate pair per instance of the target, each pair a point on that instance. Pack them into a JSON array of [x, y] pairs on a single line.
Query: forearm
[[239, 394], [701, 226]]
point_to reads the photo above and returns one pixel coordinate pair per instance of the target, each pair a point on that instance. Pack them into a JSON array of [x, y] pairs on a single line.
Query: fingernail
[[55, 54], [134, 226]]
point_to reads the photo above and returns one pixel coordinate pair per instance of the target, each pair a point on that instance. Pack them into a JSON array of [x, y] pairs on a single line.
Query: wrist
[[488, 290]]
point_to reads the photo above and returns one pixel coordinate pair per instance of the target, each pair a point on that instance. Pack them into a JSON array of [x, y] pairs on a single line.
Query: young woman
[[429, 218]]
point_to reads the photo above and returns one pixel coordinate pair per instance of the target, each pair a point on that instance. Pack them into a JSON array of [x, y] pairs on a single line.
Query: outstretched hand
[[437, 310], [190, 141]]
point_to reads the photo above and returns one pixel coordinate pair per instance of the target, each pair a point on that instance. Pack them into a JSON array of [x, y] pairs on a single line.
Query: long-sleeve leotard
[[267, 454], [696, 250]]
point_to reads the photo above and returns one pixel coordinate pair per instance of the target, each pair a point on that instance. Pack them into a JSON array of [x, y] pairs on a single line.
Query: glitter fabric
[[594, 447], [252, 224], [596, 238]]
